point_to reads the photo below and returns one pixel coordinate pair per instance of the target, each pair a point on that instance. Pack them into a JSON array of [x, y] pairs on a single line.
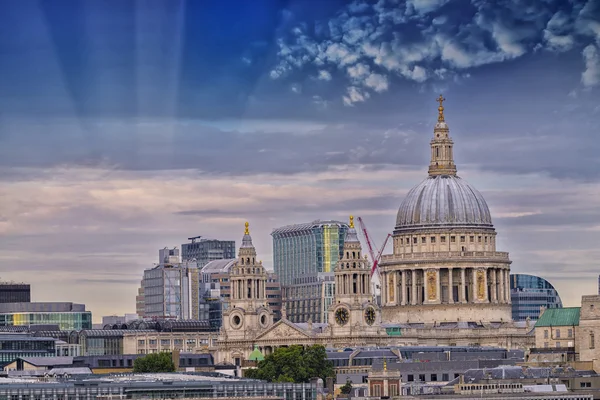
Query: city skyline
[[128, 127]]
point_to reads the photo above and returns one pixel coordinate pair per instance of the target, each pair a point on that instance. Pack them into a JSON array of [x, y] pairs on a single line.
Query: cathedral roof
[[351, 235], [443, 199]]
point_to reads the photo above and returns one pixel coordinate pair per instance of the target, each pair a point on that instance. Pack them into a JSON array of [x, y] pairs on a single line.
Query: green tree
[[155, 362], [293, 364], [347, 388]]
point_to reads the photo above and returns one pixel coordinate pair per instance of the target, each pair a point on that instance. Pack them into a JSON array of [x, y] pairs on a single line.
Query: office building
[[140, 302], [529, 293], [309, 297], [171, 290], [11, 292], [68, 316], [13, 346], [302, 249], [169, 256], [206, 250]]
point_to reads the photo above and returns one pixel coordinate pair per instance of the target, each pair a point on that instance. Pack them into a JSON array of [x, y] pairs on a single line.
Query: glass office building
[[309, 248], [529, 293], [68, 316]]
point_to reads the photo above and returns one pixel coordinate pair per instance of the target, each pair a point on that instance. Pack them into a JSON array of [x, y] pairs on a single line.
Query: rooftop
[[568, 316], [306, 226]]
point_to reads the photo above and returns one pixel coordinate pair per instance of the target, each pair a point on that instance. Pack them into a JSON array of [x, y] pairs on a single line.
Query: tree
[[347, 388], [293, 364], [156, 362]]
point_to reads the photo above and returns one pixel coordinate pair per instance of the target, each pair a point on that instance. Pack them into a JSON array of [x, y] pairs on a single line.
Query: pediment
[[283, 330]]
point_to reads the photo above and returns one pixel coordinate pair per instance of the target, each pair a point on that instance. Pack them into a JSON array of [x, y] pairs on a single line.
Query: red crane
[[374, 258]]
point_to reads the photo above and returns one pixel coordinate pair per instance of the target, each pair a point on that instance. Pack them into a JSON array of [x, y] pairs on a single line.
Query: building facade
[[11, 292], [66, 315], [204, 251], [309, 248], [529, 294], [309, 297], [171, 290], [13, 346]]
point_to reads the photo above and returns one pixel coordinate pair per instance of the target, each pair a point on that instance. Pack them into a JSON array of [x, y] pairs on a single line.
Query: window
[[445, 377], [432, 239], [422, 378], [569, 332], [592, 341], [452, 239], [471, 239], [423, 240], [433, 377], [401, 240], [415, 240], [545, 345], [462, 239], [558, 333], [393, 390], [410, 378], [376, 390], [485, 239], [545, 333], [443, 239], [479, 239], [558, 345], [585, 384], [141, 342]]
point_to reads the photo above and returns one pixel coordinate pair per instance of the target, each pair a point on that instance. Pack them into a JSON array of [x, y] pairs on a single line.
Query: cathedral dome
[[443, 201]]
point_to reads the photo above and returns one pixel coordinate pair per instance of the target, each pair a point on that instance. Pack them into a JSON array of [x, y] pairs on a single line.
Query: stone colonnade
[[245, 288], [448, 285]]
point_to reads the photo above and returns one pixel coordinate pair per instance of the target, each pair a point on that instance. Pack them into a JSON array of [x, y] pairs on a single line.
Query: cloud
[[591, 75], [355, 95], [324, 75], [414, 41]]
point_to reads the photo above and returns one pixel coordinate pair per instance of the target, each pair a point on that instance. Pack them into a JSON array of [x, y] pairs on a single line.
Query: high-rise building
[[302, 249], [309, 297], [11, 292], [529, 294], [207, 250], [169, 256]]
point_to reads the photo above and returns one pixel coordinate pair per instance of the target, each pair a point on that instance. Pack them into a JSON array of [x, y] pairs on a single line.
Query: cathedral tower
[[248, 311], [353, 310]]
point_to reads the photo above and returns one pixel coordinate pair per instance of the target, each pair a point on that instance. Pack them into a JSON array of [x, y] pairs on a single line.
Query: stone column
[[383, 278], [502, 292], [507, 286], [403, 298], [463, 285], [450, 287], [493, 285], [395, 300], [474, 285], [414, 287]]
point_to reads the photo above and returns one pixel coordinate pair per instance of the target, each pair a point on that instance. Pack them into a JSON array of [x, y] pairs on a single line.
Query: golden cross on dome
[[441, 108], [247, 231], [352, 221]]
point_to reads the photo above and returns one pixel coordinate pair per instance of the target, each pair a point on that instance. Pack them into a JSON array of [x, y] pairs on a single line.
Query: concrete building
[[204, 250], [309, 248], [11, 292], [529, 294], [309, 297], [66, 315]]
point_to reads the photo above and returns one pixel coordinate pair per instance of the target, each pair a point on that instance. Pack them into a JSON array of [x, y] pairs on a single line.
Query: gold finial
[[247, 231], [441, 108], [352, 221], [384, 365]]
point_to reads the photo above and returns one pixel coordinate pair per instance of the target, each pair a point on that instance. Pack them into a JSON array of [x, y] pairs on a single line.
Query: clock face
[[341, 316], [370, 316]]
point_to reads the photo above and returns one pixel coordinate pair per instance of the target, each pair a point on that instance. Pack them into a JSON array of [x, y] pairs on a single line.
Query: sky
[[128, 126]]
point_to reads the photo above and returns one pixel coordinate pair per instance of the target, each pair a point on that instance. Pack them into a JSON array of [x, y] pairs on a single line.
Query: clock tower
[[248, 312], [353, 312]]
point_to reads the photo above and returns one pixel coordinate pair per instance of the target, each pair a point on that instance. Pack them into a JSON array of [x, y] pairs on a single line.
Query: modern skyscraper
[[207, 250], [302, 249], [529, 293]]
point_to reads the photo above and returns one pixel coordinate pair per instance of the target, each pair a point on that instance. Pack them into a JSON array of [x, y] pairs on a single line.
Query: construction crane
[[374, 258]]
